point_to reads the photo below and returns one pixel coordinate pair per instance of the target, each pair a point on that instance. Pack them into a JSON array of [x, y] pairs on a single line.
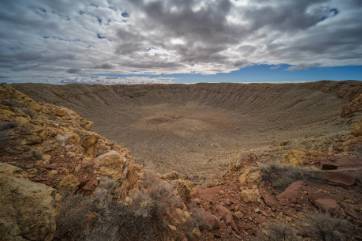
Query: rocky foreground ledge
[[61, 181]]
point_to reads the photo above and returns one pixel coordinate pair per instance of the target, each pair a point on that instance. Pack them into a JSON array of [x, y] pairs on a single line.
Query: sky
[[180, 41]]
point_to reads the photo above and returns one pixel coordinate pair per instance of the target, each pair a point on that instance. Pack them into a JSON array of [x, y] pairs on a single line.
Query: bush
[[316, 227], [281, 176], [99, 217], [91, 218], [322, 227], [277, 232]]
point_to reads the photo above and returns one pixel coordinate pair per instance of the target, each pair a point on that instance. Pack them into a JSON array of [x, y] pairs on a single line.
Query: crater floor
[[198, 129]]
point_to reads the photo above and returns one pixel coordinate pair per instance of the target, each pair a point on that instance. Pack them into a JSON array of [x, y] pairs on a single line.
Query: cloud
[[51, 39], [74, 71]]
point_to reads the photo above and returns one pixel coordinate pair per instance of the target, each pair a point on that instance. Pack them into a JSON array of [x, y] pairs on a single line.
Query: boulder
[[357, 129], [250, 195], [111, 164], [291, 193], [67, 138], [183, 188], [268, 198], [59, 111], [250, 176], [89, 144], [69, 183], [226, 215], [173, 175], [210, 220], [86, 124], [326, 204], [7, 169], [28, 209], [110, 158], [196, 232], [340, 179]]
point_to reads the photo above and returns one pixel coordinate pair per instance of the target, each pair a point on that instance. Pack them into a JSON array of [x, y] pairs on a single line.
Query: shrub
[[281, 176], [99, 217], [323, 227], [277, 232]]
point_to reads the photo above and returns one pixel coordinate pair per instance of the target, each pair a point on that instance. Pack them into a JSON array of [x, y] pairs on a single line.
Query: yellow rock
[[250, 195], [21, 120], [295, 157], [42, 133], [250, 176], [86, 124], [60, 111], [184, 188], [6, 114], [69, 182], [34, 106], [46, 158], [89, 144], [110, 164], [172, 227], [181, 216], [357, 128], [52, 173], [28, 209], [68, 137], [109, 159], [196, 232], [8, 169], [173, 175]]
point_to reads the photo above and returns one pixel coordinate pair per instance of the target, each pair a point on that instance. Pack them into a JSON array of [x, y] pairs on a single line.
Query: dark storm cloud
[[62, 37], [73, 71], [207, 24], [286, 16], [105, 66]]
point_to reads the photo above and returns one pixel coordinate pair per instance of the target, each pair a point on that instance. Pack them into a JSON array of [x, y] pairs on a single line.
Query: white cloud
[[46, 39]]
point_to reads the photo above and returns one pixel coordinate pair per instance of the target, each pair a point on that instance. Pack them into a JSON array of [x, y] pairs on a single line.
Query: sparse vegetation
[[99, 217], [316, 227], [277, 232], [92, 218], [322, 227], [281, 176]]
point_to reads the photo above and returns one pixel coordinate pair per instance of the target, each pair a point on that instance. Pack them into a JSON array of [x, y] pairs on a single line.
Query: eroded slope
[[198, 129]]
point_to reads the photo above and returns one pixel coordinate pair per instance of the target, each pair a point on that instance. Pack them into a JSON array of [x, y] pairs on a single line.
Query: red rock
[[209, 221], [340, 179], [291, 193], [326, 204], [268, 198], [226, 215], [90, 185]]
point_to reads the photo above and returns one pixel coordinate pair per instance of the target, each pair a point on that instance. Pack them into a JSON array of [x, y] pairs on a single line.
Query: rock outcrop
[[53, 153], [51, 144], [28, 209]]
